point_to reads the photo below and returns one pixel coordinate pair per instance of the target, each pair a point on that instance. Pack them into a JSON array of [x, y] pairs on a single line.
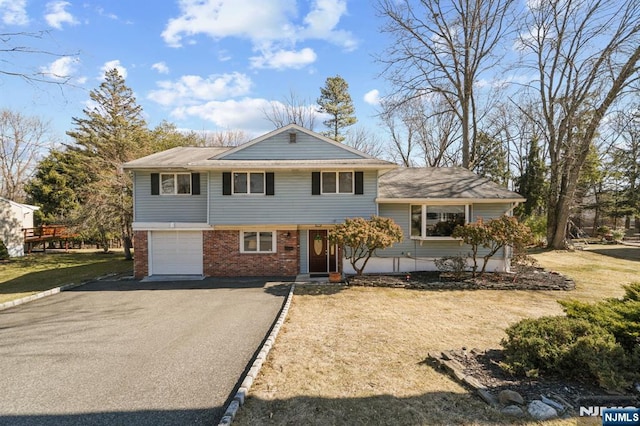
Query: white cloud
[[62, 68], [283, 59], [272, 26], [111, 65], [230, 114], [57, 15], [161, 67], [13, 12], [191, 89], [252, 19], [372, 97]]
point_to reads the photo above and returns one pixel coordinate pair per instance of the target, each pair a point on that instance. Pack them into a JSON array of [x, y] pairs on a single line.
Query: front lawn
[[353, 355], [27, 275]]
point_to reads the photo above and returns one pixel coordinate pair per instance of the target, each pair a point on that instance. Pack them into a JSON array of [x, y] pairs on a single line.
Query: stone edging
[[245, 386], [50, 292]]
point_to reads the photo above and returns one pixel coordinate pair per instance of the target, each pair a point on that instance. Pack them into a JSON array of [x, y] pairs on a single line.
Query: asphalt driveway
[[160, 353]]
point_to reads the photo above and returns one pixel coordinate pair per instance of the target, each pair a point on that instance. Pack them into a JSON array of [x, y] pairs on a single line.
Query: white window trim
[[274, 242], [175, 184], [248, 193], [337, 173], [423, 230]]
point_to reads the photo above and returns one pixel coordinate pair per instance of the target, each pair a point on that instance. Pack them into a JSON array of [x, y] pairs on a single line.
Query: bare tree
[[365, 141], [224, 138], [13, 46], [22, 142], [292, 110], [423, 131], [585, 54], [444, 47]]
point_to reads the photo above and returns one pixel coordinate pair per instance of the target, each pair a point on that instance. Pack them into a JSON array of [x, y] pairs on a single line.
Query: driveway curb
[[50, 292], [245, 386]]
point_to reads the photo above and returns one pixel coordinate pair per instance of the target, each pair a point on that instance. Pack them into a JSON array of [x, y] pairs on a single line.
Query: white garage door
[[176, 253]]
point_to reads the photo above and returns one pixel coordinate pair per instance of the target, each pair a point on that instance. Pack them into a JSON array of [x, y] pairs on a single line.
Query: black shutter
[[226, 183], [155, 184], [269, 183], [315, 183], [195, 183], [359, 181]]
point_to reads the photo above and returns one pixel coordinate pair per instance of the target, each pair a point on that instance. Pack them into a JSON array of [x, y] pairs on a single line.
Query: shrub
[[538, 226], [4, 253], [456, 265], [617, 234], [600, 341], [603, 230], [493, 236], [620, 317], [360, 238], [568, 347]]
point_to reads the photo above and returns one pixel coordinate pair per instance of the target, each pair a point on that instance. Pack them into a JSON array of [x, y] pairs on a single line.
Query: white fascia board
[[171, 226]]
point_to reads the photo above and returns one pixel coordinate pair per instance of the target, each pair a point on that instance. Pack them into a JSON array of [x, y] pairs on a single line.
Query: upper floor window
[[337, 182], [175, 183], [248, 183], [437, 220]]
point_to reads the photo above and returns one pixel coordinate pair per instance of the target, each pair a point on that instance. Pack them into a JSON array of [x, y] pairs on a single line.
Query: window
[[337, 182], [257, 242], [437, 220], [248, 183], [175, 183]]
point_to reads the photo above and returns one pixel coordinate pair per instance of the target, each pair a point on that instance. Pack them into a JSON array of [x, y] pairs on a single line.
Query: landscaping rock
[[512, 411], [507, 397], [541, 411]]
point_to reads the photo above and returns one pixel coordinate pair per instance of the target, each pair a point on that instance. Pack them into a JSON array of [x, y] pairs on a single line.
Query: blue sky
[[201, 64]]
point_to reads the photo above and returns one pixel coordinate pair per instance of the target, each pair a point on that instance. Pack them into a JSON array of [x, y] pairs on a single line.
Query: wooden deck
[[45, 234]]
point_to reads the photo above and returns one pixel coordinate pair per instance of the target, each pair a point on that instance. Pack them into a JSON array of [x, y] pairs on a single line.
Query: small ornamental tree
[[360, 238], [494, 235]]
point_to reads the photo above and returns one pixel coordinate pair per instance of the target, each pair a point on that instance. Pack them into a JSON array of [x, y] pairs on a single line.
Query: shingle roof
[[440, 183], [179, 157], [202, 158]]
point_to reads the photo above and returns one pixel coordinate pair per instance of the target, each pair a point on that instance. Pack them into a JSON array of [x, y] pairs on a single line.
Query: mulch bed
[[522, 278], [484, 368]]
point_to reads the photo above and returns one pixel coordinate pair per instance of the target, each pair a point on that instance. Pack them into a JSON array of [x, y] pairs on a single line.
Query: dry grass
[[356, 355]]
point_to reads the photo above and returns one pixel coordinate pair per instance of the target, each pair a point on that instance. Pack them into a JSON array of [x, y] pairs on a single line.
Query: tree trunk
[[127, 248]]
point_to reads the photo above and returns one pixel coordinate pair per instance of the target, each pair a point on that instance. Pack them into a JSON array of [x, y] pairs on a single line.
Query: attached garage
[[175, 253]]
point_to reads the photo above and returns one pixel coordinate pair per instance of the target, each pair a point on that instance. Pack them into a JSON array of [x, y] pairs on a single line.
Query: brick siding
[[222, 257], [140, 254]]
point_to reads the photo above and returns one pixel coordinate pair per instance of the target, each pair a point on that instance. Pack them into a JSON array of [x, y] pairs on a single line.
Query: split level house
[[265, 208]]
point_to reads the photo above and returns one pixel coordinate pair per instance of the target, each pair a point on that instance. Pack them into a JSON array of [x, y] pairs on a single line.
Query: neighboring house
[[13, 218], [265, 207]]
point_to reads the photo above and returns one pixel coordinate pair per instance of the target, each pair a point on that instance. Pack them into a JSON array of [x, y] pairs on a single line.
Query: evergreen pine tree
[[112, 132], [335, 100]]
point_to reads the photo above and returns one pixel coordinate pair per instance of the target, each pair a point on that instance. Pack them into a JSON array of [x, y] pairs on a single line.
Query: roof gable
[[305, 145]]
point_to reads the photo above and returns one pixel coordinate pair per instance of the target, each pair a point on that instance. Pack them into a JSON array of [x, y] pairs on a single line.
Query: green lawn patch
[[27, 275]]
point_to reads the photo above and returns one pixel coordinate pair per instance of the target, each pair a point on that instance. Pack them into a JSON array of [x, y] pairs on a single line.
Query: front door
[[318, 256], [322, 254]]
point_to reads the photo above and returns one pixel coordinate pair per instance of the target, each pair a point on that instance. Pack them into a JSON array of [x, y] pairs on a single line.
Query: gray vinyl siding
[[306, 147], [432, 248], [291, 204], [168, 208]]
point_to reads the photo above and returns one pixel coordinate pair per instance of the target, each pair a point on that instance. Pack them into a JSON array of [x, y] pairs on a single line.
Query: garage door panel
[[176, 253]]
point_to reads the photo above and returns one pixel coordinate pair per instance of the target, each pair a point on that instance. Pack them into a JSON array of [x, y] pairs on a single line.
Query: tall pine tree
[[112, 132], [335, 100]]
